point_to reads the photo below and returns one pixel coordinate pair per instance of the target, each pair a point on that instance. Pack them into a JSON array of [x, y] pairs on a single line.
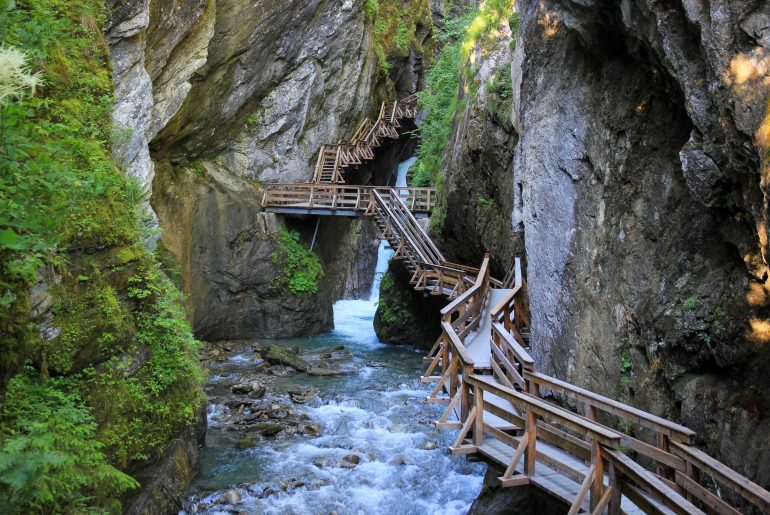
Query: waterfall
[[383, 253]]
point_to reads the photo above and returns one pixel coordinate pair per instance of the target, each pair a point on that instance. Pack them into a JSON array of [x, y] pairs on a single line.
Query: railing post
[[478, 424], [663, 444], [453, 376], [530, 456], [616, 479], [465, 395], [597, 487]]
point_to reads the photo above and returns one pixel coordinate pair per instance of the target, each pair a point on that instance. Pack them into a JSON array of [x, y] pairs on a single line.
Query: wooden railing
[[313, 196], [617, 451], [334, 158]]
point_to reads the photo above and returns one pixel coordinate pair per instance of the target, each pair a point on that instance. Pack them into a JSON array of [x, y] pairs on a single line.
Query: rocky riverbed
[[333, 423]]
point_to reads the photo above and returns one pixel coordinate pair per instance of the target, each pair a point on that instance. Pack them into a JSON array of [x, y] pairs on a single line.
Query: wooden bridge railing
[[663, 472], [334, 158], [337, 197]]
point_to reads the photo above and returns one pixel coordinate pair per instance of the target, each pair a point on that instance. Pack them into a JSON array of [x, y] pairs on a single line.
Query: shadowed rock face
[[219, 97], [643, 207]]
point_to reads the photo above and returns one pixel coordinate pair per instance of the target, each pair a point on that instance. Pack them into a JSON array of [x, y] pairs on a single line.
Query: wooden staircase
[[333, 159]]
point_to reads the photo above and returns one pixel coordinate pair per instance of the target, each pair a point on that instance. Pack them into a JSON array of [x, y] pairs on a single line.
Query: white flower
[[16, 77]]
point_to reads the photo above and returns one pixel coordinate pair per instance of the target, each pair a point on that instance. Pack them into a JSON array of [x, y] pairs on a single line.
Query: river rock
[[350, 461], [323, 372], [268, 429], [311, 429], [232, 496], [429, 446], [278, 355], [253, 389], [301, 395]]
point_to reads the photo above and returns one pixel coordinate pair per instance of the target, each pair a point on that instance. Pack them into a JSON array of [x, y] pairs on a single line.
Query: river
[[376, 411]]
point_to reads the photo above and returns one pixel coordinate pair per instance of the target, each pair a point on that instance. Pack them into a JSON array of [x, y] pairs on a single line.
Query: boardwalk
[[599, 456], [333, 159]]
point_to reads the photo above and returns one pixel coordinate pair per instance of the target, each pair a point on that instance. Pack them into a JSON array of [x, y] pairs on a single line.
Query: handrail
[[746, 488], [650, 483], [462, 299], [367, 133], [500, 308], [544, 409], [674, 431]]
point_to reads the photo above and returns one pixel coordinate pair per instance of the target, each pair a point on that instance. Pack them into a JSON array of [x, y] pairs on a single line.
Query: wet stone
[[232, 497], [350, 461]]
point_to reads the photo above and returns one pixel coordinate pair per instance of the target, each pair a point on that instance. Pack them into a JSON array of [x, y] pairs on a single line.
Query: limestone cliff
[[643, 206], [220, 97]]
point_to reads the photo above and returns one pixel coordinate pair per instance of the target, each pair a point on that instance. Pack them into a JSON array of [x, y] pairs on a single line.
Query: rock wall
[[644, 207], [476, 207], [217, 98], [634, 177], [405, 316]]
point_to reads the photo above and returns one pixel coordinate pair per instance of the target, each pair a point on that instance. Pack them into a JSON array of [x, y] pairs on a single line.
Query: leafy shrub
[[440, 99], [301, 268], [438, 102], [50, 460]]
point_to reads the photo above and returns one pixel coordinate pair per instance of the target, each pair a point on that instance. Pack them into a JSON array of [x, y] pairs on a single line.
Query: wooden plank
[[527, 402], [675, 431], [749, 490], [521, 354], [577, 504], [693, 488], [650, 483]]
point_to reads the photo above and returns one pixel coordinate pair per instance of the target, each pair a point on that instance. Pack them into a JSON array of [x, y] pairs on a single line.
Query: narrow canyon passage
[[375, 410]]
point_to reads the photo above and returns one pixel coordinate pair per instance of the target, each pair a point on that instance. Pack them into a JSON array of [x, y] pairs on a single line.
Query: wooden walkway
[[598, 456], [335, 158], [339, 200], [514, 418]]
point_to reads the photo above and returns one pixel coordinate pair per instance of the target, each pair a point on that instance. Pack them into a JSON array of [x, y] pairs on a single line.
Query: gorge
[[150, 288]]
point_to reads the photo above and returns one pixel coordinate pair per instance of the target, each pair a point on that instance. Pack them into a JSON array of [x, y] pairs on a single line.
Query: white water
[[378, 413], [383, 252]]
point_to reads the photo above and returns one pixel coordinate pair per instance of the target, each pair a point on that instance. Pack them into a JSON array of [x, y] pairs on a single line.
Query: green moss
[[146, 394], [391, 309], [394, 26], [500, 95], [301, 269], [93, 324], [442, 98], [122, 376]]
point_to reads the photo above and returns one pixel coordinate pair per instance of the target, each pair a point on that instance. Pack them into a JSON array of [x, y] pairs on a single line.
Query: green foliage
[[148, 393], [485, 202], [371, 8], [301, 269], [500, 95], [391, 308], [626, 368], [394, 26], [50, 460], [490, 15], [93, 323], [689, 303], [438, 103], [125, 351], [59, 186], [441, 98]]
